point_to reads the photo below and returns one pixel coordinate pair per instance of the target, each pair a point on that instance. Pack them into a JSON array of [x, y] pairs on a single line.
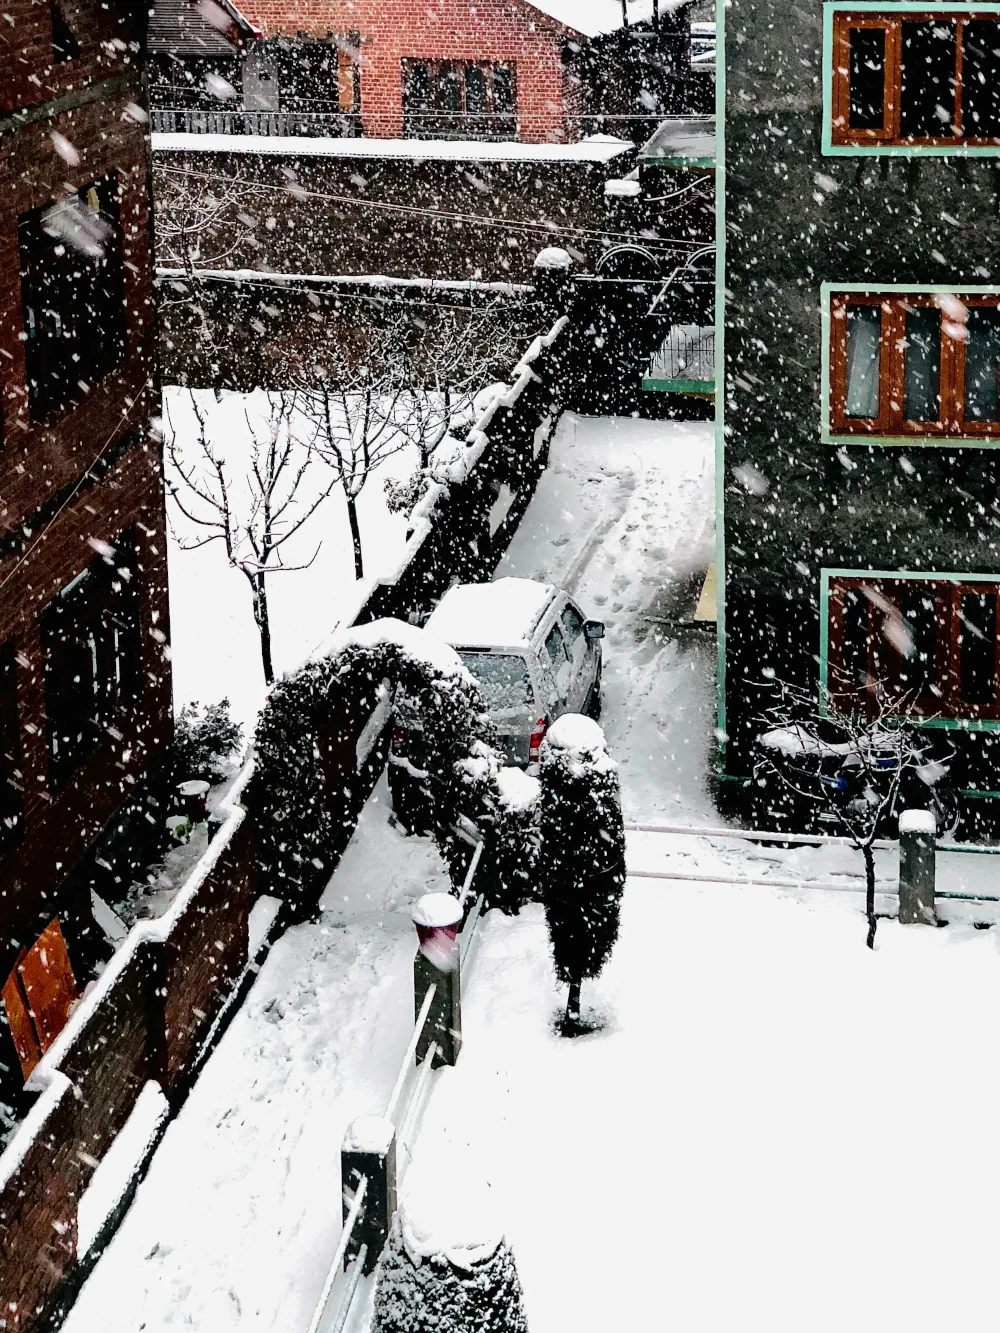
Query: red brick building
[[84, 676]]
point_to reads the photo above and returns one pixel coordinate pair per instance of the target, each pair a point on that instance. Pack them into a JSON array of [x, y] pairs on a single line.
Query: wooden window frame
[[841, 133], [947, 593], [436, 70], [891, 421]]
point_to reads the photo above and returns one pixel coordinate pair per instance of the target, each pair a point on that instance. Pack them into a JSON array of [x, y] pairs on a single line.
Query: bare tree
[[200, 223], [351, 413], [848, 767], [254, 502]]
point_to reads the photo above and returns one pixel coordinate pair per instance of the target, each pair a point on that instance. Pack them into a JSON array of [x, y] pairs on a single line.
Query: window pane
[[417, 88], [475, 89], [927, 98], [977, 648], [981, 79], [982, 364], [923, 364], [855, 650], [867, 79], [503, 89], [864, 326], [449, 89], [916, 673]]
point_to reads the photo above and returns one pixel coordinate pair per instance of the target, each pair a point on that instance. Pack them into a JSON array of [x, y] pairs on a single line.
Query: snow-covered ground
[[214, 641], [775, 1125], [777, 1128]]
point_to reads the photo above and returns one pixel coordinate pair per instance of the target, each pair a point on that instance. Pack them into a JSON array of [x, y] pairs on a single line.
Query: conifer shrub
[[581, 857], [446, 1273], [304, 789], [205, 738]]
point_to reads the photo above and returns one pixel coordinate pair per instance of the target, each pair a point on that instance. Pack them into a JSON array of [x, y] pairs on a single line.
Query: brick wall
[[87, 472], [490, 30]]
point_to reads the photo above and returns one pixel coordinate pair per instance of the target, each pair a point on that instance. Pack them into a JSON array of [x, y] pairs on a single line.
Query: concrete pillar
[[917, 832], [369, 1150], [437, 917]]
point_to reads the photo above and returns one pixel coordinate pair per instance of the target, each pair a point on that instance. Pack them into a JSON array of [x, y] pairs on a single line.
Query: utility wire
[[413, 210]]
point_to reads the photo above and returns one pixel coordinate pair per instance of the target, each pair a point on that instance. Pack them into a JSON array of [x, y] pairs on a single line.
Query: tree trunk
[[869, 856], [352, 518], [263, 621], [573, 1004]]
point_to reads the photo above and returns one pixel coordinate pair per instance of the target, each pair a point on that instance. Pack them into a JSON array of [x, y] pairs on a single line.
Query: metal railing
[[225, 120], [687, 353], [491, 126]]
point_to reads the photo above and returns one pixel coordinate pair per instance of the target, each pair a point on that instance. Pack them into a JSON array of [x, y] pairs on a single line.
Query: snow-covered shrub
[[581, 859], [401, 495], [446, 1269], [205, 739], [508, 871], [305, 747]]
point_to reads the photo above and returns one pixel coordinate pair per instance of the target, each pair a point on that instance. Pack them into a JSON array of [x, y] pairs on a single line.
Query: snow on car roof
[[503, 613]]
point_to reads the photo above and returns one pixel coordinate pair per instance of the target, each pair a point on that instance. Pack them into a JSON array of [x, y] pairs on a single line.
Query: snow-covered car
[[532, 651]]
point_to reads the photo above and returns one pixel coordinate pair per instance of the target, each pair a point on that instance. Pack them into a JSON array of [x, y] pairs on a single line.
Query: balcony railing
[[685, 361], [492, 127], [217, 120]]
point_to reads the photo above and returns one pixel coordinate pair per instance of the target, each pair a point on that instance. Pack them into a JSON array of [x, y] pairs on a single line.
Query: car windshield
[[503, 679]]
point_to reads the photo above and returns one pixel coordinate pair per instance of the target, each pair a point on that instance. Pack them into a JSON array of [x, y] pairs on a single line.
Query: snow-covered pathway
[[777, 1128], [233, 1229]]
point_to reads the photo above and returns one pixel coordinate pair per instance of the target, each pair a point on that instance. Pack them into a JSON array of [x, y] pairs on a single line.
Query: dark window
[[64, 43], [916, 364], [72, 295], [982, 364], [555, 647], [930, 646], [922, 360], [11, 785], [458, 99], [867, 78], [475, 89], [503, 90], [91, 638], [981, 79], [927, 79], [977, 648]]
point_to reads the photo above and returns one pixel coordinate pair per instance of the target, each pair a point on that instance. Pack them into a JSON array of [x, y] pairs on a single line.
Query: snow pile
[[553, 256], [437, 910], [622, 188], [369, 1134], [518, 789], [448, 1214], [593, 148]]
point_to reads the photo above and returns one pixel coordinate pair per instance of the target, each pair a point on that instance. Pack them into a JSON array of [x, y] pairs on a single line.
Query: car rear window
[[503, 678]]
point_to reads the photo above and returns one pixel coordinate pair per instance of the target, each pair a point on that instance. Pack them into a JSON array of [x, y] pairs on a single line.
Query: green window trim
[[829, 148], [827, 435], [704, 387], [900, 575]]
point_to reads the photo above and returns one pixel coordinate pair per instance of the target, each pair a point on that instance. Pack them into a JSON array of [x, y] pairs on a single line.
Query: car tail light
[[537, 736], [399, 740]]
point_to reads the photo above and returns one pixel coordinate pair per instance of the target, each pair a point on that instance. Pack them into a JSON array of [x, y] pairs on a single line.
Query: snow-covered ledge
[[47, 1078]]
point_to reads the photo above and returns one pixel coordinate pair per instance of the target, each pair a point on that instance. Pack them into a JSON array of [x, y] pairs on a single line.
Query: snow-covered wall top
[[595, 148]]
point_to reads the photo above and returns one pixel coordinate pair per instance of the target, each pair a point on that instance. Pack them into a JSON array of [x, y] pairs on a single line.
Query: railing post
[[917, 831], [369, 1153], [437, 917]]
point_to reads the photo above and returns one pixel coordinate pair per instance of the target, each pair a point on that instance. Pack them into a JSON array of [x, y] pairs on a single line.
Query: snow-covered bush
[[305, 747], [508, 872], [205, 738], [581, 859], [446, 1269]]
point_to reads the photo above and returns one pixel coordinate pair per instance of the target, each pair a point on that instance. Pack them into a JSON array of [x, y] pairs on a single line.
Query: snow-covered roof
[[592, 17], [595, 148], [483, 615], [680, 141]]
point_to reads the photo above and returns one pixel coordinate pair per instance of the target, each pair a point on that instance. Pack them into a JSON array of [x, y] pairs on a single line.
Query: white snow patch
[[370, 1134], [595, 148], [518, 789], [435, 910], [447, 1212], [553, 256]]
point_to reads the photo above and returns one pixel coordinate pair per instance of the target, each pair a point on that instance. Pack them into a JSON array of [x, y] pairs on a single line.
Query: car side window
[[572, 623], [555, 648]]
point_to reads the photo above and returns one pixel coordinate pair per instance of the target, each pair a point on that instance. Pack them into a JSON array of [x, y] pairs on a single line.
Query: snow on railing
[[333, 1272]]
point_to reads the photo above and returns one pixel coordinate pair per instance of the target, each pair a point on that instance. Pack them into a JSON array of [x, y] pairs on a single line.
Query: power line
[[412, 210]]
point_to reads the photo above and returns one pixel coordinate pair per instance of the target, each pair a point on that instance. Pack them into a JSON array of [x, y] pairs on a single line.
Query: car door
[[581, 652], [557, 656]]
